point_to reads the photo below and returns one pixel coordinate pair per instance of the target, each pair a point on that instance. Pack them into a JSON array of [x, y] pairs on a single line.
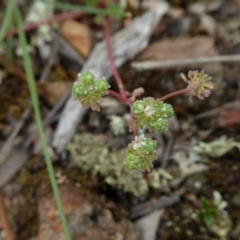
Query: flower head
[[199, 84], [152, 113], [90, 91], [141, 153]]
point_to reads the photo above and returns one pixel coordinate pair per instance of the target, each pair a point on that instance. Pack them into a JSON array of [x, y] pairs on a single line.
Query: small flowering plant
[[148, 112], [90, 90]]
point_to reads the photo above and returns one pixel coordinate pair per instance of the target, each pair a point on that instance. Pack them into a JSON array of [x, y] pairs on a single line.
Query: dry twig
[[147, 65], [163, 202], [6, 149], [51, 60]]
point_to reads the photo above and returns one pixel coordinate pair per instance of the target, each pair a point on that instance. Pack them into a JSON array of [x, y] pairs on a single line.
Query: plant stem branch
[[173, 94], [120, 97], [34, 96], [111, 59]]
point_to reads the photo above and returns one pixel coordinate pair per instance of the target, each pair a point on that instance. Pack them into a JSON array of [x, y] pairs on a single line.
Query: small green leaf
[[208, 219]]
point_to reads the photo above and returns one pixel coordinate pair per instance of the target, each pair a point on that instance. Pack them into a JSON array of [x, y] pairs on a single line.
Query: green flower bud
[[131, 162], [78, 90], [150, 145], [167, 110], [161, 125], [137, 107], [87, 78], [102, 85]]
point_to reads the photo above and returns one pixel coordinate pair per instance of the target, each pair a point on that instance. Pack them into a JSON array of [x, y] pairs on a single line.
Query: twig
[[5, 221], [58, 18], [111, 59], [147, 65], [167, 152], [6, 149], [163, 202], [50, 62]]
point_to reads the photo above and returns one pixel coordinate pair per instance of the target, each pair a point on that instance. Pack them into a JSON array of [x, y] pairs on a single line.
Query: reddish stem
[[58, 18], [111, 59], [173, 94], [120, 97]]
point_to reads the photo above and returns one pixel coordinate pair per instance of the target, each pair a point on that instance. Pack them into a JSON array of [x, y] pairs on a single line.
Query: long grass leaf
[[34, 96], [7, 19]]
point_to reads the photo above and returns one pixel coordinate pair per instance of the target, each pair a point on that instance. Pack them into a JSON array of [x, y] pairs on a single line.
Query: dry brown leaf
[[182, 48], [79, 35], [53, 91]]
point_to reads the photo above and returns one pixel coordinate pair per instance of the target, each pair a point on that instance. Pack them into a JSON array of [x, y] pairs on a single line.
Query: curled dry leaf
[[79, 35]]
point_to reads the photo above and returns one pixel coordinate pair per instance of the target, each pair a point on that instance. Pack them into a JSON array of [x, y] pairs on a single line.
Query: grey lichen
[[91, 154], [216, 148]]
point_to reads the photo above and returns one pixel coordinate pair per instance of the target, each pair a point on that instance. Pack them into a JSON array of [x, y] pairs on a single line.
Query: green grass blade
[[87, 9], [7, 19], [34, 97]]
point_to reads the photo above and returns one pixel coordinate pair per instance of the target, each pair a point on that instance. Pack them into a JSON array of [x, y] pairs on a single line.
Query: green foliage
[[141, 153], [90, 91], [153, 114], [211, 209], [208, 211], [7, 19], [214, 215], [88, 8]]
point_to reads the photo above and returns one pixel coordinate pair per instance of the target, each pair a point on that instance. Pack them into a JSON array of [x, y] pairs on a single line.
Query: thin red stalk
[[119, 96], [5, 221], [57, 18], [173, 94], [111, 59]]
